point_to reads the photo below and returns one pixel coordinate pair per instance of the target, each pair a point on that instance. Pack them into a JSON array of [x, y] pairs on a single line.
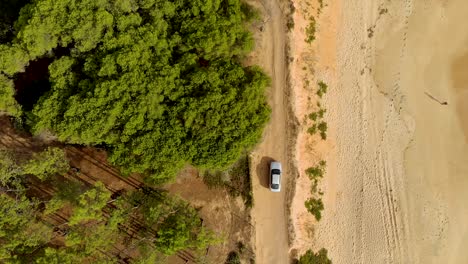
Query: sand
[[397, 154], [312, 63]]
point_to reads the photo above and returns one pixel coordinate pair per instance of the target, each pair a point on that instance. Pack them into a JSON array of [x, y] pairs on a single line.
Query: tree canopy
[[20, 231], [157, 82]]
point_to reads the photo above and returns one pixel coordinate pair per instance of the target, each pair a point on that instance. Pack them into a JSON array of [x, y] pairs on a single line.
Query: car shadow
[[263, 171]]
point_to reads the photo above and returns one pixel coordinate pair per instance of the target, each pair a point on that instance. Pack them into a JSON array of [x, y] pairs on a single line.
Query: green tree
[[46, 163], [90, 205], [157, 82], [10, 12], [10, 171], [13, 59], [20, 231], [59, 256], [177, 224], [7, 100], [178, 231]]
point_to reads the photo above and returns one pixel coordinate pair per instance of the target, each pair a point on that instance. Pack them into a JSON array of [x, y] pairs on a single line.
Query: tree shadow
[[263, 171]]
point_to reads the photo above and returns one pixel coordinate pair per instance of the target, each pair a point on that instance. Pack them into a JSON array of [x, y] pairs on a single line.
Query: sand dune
[[397, 181]]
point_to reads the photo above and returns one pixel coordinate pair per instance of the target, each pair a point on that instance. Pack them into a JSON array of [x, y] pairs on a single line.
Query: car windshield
[[275, 171], [275, 186]]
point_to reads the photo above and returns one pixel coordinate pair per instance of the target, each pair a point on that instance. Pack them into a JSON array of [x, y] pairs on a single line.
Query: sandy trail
[[269, 210]]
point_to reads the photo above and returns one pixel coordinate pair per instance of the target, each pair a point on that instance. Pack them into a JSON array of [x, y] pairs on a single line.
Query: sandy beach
[[397, 149]]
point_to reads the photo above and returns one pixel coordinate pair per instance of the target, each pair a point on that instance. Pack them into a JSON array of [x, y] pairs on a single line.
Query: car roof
[[275, 179]]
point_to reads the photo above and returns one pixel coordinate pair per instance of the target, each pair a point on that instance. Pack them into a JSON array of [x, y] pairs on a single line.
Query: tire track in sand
[[384, 170]]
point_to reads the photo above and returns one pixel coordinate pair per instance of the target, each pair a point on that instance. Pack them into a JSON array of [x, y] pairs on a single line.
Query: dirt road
[[269, 211]]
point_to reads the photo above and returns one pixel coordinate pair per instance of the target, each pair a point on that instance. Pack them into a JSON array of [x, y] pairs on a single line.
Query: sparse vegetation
[[321, 5], [310, 30], [312, 130], [321, 112], [315, 258], [322, 127], [319, 125], [317, 171], [313, 116], [290, 19], [290, 23], [236, 180], [315, 205], [322, 89], [233, 258]]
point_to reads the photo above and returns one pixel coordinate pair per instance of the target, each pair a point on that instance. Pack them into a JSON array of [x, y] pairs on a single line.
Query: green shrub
[[312, 130], [322, 127], [316, 171], [310, 30], [322, 89], [290, 23], [313, 116], [47, 163], [315, 258], [315, 207], [213, 179], [237, 183], [321, 112], [233, 258]]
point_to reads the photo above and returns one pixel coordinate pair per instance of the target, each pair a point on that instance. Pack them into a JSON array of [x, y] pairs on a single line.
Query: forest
[[157, 84]]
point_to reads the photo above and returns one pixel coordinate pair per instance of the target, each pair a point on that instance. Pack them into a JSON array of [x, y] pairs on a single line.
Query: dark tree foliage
[[158, 82], [9, 12]]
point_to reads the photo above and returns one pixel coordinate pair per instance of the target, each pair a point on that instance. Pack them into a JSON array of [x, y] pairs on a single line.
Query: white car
[[275, 176]]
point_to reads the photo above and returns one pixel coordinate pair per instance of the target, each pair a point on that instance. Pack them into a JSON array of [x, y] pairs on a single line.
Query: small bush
[[312, 130], [310, 30], [233, 258], [317, 171], [313, 116], [321, 112], [315, 207], [320, 3], [240, 247], [213, 179], [315, 258], [322, 127], [236, 180], [322, 89], [290, 24], [323, 135]]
